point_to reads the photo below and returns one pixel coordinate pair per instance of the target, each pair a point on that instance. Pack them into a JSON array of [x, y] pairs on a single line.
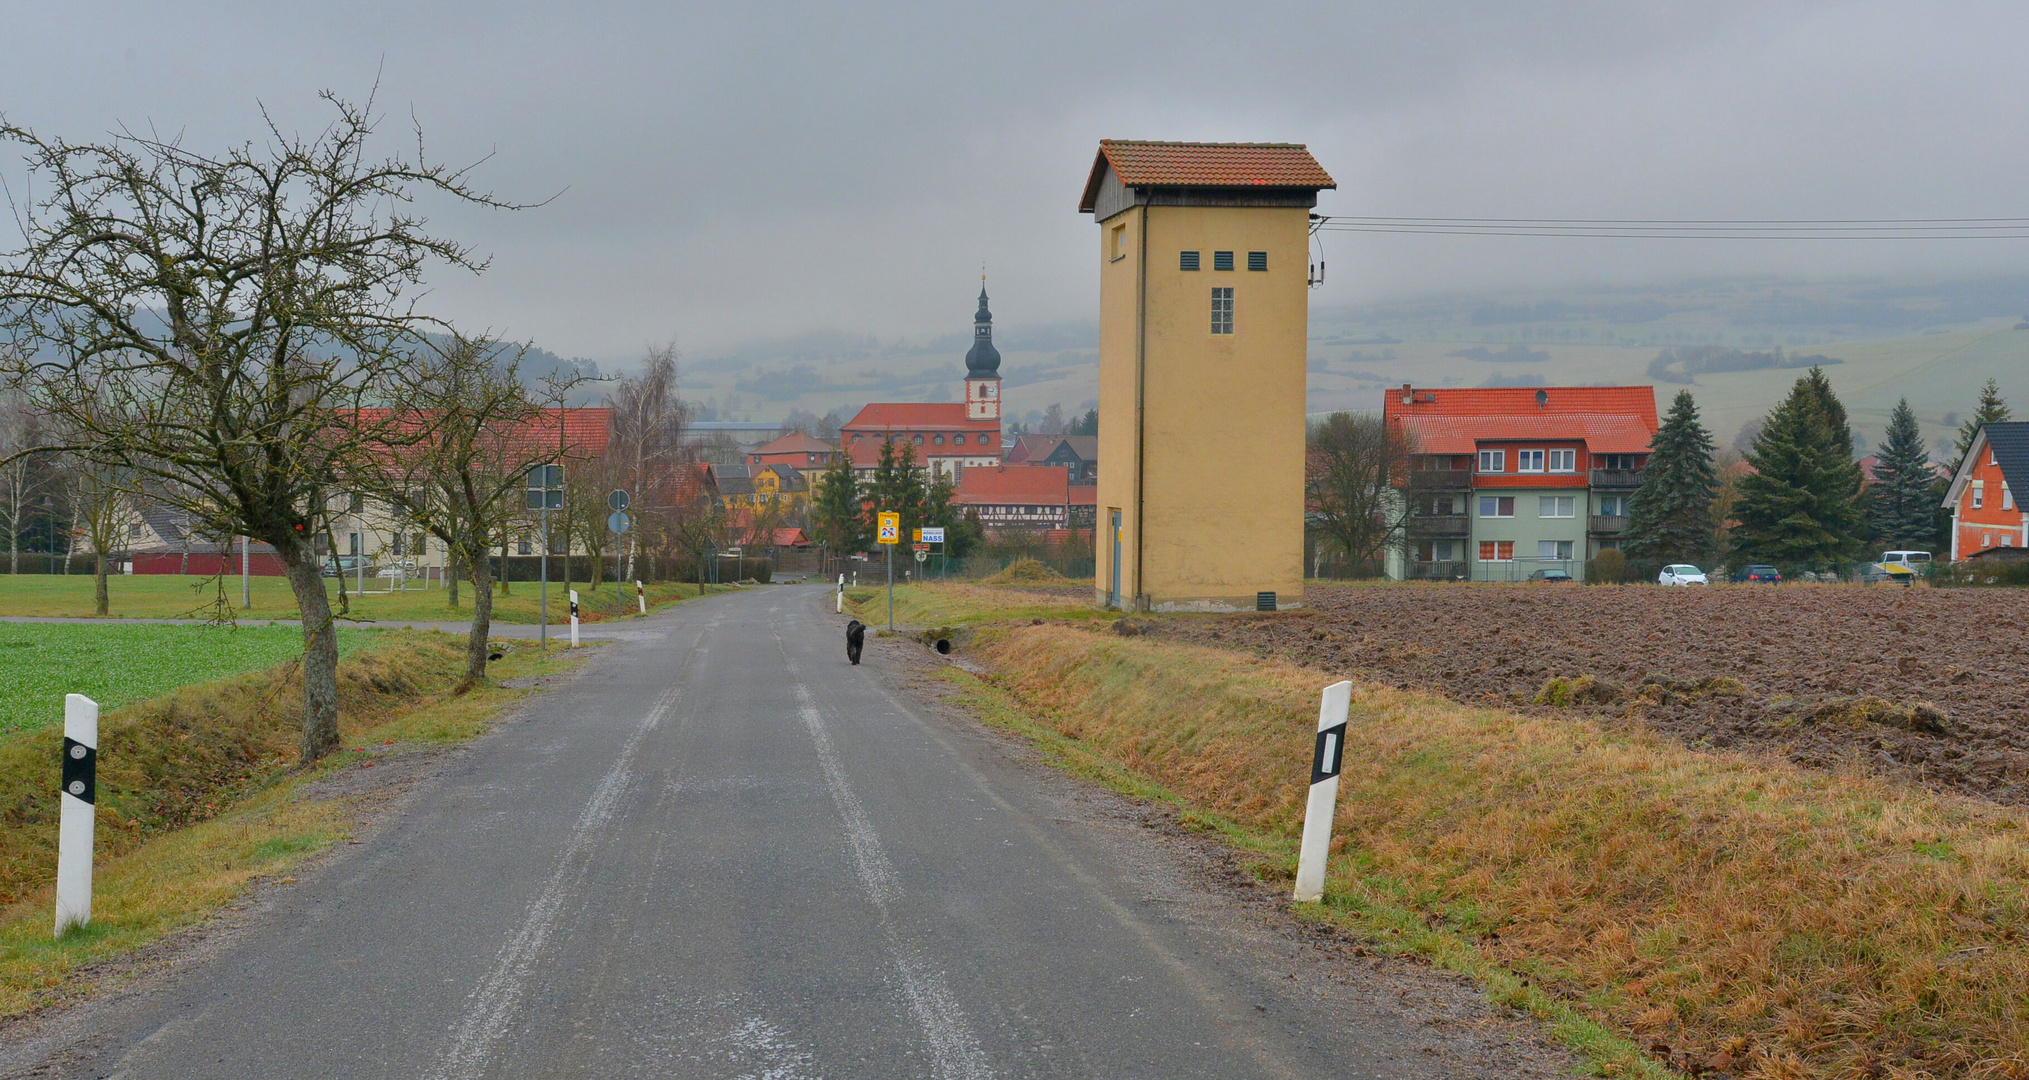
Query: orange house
[[1987, 514]]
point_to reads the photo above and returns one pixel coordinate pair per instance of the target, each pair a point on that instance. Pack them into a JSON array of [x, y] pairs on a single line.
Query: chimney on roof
[[1408, 395], [1542, 398]]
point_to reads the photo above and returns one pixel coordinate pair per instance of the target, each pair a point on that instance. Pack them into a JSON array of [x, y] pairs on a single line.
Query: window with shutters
[[1257, 260], [1187, 260], [1222, 260], [1222, 310]]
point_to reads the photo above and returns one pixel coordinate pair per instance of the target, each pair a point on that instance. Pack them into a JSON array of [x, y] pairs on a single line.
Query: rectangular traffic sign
[[890, 528], [931, 534]]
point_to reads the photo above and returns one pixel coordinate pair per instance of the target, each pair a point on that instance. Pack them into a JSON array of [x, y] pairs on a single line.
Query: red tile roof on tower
[[1027, 485], [1140, 163], [1608, 419]]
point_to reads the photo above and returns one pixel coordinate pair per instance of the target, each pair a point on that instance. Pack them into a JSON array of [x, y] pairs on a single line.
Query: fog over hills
[[1933, 341]]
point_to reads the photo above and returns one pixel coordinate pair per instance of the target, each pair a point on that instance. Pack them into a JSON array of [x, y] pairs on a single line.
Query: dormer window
[[1528, 461]]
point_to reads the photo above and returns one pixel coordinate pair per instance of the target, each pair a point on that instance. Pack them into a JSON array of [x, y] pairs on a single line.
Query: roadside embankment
[[198, 795], [1713, 912]]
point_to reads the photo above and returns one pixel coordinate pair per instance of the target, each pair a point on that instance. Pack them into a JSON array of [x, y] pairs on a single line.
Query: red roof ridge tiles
[[1151, 163]]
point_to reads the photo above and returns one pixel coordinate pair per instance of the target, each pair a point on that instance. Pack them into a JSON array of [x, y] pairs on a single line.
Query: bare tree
[[223, 324], [19, 481], [102, 499], [648, 427], [1351, 467], [462, 478]]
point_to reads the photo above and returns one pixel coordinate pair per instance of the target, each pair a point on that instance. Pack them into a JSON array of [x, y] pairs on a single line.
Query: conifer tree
[[1670, 515], [835, 507], [1802, 507], [898, 485], [1992, 410], [1903, 504]]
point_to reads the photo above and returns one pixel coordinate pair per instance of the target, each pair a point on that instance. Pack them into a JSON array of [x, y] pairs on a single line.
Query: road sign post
[[890, 535], [77, 814], [619, 522], [545, 493], [1326, 756]]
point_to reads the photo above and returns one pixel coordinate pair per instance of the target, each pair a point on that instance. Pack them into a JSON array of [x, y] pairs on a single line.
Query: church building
[[948, 437]]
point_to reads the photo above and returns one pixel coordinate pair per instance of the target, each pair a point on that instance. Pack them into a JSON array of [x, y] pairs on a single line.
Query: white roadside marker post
[[1326, 757], [841, 594], [574, 618], [641, 597], [78, 815]]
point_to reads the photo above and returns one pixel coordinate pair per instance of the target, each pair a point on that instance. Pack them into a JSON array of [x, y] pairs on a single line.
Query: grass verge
[[117, 664], [173, 596], [197, 800], [1658, 907]]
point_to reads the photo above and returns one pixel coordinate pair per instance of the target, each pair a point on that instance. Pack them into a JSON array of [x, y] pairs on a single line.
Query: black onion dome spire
[[984, 359]]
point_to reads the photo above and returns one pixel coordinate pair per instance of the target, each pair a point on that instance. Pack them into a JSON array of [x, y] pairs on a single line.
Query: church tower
[[982, 366]]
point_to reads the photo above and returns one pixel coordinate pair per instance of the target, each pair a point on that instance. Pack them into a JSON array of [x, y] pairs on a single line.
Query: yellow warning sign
[[890, 528]]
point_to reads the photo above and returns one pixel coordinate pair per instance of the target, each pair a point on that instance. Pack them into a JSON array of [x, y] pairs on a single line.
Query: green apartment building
[[1507, 482]]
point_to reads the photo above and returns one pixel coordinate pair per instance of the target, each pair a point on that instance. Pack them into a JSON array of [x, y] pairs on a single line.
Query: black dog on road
[[855, 639]]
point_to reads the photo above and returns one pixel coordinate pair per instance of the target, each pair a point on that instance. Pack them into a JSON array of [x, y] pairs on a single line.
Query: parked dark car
[[1758, 575], [1551, 575]]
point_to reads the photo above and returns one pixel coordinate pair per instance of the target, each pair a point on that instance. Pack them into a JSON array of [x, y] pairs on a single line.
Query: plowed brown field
[[1926, 685]]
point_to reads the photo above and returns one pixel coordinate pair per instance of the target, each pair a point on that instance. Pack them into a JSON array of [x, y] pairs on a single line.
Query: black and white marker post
[[1326, 757], [78, 815], [574, 618], [841, 594], [641, 597]]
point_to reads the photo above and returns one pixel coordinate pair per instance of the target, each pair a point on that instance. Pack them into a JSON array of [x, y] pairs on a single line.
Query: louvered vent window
[[1222, 260], [1222, 310], [1257, 260], [1187, 260]]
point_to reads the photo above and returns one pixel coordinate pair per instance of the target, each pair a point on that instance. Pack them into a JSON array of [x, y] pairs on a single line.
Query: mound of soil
[[1925, 685], [1024, 572]]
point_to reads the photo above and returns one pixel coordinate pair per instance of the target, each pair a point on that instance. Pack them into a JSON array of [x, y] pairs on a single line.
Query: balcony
[[1440, 479], [1438, 525], [1617, 479], [1608, 524], [1437, 571]]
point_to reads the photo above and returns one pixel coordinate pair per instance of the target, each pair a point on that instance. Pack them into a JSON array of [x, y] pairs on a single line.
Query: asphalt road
[[722, 852]]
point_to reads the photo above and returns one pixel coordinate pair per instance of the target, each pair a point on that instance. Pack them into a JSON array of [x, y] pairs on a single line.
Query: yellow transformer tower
[[1204, 311]]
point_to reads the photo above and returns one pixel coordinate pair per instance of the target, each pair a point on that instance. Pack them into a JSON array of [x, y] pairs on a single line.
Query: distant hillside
[[1734, 343]]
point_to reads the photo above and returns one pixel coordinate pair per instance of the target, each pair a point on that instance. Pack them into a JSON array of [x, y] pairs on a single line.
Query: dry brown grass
[[1728, 913]]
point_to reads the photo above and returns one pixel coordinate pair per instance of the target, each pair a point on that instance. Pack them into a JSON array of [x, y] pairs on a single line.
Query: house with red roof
[[799, 449], [1017, 497], [1514, 483], [946, 438]]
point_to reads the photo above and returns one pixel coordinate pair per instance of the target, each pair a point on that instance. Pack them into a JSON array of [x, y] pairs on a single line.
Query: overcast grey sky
[[740, 170]]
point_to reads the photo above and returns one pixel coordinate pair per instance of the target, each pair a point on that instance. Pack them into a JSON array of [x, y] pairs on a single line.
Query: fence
[[39, 562]]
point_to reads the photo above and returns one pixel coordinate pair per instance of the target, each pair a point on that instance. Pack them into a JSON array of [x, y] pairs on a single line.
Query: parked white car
[[1681, 574]]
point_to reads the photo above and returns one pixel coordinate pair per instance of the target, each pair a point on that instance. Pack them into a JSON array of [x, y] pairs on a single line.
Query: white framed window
[[1222, 309], [1493, 461], [1563, 461], [1497, 506], [1979, 494], [522, 546], [1528, 461], [1553, 549], [1556, 506]]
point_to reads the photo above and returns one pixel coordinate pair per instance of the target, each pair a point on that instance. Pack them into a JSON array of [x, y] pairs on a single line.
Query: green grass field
[[170, 596], [113, 665]]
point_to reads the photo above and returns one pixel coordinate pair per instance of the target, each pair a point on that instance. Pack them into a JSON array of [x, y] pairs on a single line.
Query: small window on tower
[[1222, 260], [1222, 310], [1187, 260], [1119, 242], [1257, 260]]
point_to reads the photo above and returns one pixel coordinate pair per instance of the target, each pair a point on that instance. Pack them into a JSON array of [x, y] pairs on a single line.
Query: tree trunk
[[482, 624], [452, 572], [102, 603], [320, 656], [506, 570]]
